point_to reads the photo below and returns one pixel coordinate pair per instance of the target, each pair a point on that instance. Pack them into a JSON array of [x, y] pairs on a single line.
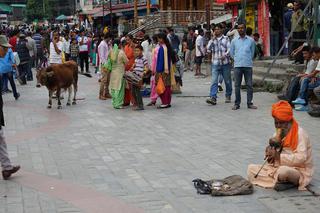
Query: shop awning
[[4, 8], [61, 18], [19, 5]]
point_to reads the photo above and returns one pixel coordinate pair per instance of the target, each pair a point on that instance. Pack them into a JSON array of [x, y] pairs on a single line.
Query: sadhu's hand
[[272, 155], [166, 71]]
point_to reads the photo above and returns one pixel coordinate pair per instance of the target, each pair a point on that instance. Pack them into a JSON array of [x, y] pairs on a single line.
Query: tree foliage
[[38, 9]]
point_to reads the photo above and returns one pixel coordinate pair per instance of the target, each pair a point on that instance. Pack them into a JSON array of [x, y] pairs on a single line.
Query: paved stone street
[[92, 158]]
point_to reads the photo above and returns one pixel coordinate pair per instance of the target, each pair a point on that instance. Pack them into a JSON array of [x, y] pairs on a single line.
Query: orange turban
[[283, 112]]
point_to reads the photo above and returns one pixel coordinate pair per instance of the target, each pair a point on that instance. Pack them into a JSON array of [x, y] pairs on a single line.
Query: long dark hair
[[163, 36], [147, 37]]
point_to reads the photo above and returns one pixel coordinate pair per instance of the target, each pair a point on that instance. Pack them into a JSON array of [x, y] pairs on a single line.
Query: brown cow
[[59, 76]]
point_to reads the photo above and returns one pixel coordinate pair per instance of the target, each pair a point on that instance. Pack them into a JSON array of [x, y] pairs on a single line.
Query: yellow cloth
[[118, 70]]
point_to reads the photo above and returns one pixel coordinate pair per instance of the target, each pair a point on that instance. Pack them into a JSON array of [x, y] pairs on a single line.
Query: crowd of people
[[130, 67]]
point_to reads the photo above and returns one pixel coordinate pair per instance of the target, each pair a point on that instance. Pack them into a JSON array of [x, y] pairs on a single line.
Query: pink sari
[[154, 96]]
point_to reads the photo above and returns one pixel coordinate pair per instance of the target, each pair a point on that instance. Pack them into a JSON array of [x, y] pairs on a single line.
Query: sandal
[[164, 106], [151, 104]]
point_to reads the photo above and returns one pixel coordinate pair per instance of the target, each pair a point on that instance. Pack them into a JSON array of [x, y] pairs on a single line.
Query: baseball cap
[[290, 5], [4, 41]]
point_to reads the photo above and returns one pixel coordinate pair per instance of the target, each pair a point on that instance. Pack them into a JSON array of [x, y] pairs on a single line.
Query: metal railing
[[186, 17]]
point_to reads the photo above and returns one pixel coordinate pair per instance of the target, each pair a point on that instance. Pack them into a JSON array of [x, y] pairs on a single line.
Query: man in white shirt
[[32, 53], [55, 49], [309, 82], [200, 52], [83, 51], [103, 51]]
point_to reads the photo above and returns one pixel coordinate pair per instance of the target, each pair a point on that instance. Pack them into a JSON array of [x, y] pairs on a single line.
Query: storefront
[[264, 17]]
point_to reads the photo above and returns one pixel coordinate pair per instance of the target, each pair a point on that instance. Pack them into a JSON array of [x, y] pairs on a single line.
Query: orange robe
[[300, 160]]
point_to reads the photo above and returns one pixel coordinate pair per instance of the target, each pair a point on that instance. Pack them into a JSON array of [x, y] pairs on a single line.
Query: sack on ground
[[229, 186]]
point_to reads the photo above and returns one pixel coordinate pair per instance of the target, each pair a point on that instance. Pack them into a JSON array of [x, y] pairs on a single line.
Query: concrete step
[[275, 73], [269, 84], [280, 64]]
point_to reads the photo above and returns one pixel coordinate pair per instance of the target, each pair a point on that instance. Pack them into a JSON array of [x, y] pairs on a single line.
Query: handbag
[[160, 88]]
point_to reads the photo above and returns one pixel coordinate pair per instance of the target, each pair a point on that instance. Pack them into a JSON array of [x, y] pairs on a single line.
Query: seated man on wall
[[289, 154], [311, 60], [309, 82]]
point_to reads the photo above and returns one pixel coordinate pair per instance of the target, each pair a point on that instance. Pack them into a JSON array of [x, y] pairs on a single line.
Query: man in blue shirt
[[7, 168], [242, 51], [7, 63]]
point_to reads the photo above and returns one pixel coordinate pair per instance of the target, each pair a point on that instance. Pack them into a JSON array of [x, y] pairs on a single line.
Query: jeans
[[305, 85], [5, 78], [225, 72], [247, 73]]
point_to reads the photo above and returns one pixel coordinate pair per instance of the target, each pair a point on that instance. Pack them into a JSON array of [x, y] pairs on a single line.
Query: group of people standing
[[126, 64]]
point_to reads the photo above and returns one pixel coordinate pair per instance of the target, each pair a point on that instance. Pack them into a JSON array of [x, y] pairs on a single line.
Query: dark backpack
[[22, 50]]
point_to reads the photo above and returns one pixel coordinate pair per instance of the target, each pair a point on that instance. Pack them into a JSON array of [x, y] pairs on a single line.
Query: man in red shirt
[[14, 39]]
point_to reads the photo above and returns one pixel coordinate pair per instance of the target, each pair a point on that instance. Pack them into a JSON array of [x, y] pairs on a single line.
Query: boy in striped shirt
[[139, 68]]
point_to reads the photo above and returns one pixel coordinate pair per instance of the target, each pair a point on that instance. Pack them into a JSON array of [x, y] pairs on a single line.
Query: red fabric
[[13, 42], [166, 96], [129, 51], [283, 112]]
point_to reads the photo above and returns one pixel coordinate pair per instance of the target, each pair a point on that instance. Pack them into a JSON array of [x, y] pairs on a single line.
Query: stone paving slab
[[147, 159]]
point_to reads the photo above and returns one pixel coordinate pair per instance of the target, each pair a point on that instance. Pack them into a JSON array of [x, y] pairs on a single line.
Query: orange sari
[[129, 51]]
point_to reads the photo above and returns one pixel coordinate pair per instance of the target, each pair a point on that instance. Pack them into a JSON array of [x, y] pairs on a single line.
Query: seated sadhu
[[289, 164]]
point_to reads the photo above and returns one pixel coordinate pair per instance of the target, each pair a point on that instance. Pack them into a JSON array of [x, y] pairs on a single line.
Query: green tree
[[38, 9]]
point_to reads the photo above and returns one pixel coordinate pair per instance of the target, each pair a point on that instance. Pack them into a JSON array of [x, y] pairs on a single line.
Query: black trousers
[[23, 70], [296, 44], [84, 59], [135, 90]]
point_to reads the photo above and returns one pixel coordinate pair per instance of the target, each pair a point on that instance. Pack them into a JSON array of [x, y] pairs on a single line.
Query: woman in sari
[[163, 69], [129, 51], [155, 48], [118, 60]]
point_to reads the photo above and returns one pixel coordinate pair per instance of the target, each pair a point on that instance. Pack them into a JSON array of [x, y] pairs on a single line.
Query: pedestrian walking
[[200, 52], [242, 51], [9, 64], [139, 68], [117, 82], [74, 50], [219, 47], [83, 51], [7, 168], [22, 48], [37, 37], [32, 53], [56, 47], [299, 31], [104, 50]]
